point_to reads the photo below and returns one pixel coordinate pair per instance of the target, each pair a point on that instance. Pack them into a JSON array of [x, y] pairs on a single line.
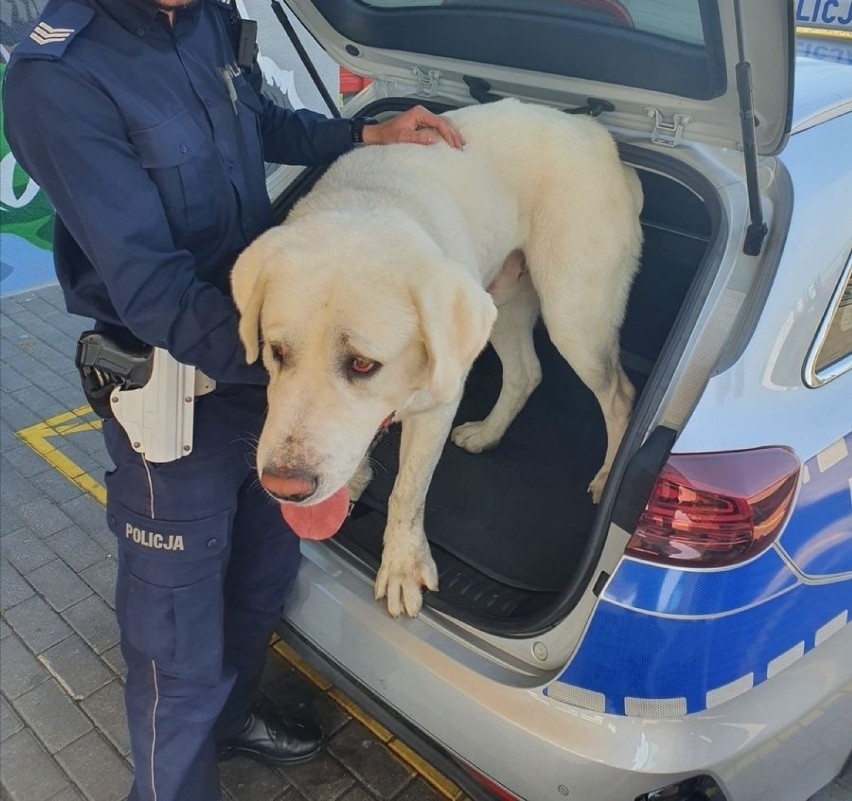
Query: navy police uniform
[[150, 143]]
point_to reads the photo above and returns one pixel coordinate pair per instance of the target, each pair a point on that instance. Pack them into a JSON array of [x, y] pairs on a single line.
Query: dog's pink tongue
[[320, 521]]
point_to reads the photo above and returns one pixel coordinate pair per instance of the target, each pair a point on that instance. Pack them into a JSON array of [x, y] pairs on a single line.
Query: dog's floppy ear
[[248, 282], [456, 317]]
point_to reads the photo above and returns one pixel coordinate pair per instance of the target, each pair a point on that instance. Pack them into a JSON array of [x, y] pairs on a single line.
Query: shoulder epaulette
[[52, 34]]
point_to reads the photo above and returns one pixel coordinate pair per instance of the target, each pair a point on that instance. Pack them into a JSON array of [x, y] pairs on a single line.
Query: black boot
[[274, 739]]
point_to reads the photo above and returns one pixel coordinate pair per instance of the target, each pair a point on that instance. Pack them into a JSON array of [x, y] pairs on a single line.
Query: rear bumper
[[501, 722]]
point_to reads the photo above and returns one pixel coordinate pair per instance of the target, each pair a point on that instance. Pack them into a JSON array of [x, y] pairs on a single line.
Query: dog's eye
[[362, 366]]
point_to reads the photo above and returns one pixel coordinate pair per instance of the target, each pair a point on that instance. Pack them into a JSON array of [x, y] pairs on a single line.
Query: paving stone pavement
[[63, 733], [62, 723]]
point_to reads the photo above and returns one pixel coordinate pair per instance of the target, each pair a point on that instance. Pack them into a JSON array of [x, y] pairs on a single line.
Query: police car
[[689, 637]]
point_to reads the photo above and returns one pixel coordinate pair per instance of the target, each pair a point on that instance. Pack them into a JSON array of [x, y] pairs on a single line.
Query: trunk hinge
[[757, 228], [667, 132], [281, 14], [427, 81]]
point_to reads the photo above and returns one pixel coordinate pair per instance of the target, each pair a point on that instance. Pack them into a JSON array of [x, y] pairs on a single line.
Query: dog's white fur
[[390, 257]]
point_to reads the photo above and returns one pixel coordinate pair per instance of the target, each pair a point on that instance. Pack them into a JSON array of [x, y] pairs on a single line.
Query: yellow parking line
[[419, 765], [440, 782], [361, 716], [314, 676], [39, 437]]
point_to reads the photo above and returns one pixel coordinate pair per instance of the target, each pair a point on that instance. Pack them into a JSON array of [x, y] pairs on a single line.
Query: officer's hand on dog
[[418, 125]]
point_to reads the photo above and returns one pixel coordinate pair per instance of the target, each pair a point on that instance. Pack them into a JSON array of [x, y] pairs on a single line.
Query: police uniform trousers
[[205, 561]]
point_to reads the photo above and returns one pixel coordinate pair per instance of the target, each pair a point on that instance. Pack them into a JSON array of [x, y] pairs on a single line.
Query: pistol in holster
[[149, 392]]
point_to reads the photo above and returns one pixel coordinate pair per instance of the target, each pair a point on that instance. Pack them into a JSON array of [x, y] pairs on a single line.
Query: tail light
[[715, 509]]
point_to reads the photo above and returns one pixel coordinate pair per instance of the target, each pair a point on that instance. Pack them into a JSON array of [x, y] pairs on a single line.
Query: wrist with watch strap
[[357, 125]]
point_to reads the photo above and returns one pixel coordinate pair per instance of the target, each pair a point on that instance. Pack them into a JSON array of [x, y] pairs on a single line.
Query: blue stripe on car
[[670, 665], [818, 536], [691, 593]]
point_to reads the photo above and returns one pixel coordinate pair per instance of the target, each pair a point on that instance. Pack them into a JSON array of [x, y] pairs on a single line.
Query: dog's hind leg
[[512, 338], [598, 366], [582, 259], [616, 400]]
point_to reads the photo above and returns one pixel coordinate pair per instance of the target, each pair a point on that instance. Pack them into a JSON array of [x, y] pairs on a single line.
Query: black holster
[[104, 364]]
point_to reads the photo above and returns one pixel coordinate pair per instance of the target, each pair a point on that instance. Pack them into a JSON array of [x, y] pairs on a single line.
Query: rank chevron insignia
[[46, 34]]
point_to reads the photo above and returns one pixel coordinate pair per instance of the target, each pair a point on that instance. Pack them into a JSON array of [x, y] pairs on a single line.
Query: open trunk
[[513, 531], [509, 528]]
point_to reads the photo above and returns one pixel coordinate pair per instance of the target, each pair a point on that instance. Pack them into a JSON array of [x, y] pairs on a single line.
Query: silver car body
[[742, 673]]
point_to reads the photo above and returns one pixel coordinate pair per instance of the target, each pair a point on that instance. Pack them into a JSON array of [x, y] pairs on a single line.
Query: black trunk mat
[[519, 514]]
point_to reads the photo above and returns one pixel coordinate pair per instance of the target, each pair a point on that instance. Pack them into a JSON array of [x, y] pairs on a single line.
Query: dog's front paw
[[401, 577], [474, 437], [361, 480]]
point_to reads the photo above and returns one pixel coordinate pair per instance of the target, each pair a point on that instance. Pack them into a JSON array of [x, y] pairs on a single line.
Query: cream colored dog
[[375, 296]]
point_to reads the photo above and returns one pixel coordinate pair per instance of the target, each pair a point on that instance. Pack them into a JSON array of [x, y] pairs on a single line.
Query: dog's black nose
[[289, 485]]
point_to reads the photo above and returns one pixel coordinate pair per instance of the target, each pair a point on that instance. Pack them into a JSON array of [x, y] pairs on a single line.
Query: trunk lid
[[706, 70]]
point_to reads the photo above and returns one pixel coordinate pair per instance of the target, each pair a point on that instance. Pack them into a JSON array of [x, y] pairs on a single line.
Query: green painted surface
[[25, 209]]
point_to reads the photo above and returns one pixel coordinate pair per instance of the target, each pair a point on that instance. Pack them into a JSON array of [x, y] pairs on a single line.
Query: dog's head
[[351, 329]]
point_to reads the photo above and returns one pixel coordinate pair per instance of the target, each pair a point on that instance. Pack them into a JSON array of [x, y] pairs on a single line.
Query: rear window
[[674, 19], [671, 46]]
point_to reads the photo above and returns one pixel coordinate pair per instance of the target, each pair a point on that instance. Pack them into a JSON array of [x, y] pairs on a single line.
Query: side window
[[831, 353]]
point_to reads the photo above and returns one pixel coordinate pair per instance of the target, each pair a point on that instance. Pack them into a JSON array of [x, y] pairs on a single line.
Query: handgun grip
[[129, 367]]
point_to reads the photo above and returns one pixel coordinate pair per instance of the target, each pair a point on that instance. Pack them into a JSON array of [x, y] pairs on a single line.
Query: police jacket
[[150, 143]]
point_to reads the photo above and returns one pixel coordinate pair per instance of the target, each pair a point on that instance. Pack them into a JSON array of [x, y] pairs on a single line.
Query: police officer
[[150, 142]]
